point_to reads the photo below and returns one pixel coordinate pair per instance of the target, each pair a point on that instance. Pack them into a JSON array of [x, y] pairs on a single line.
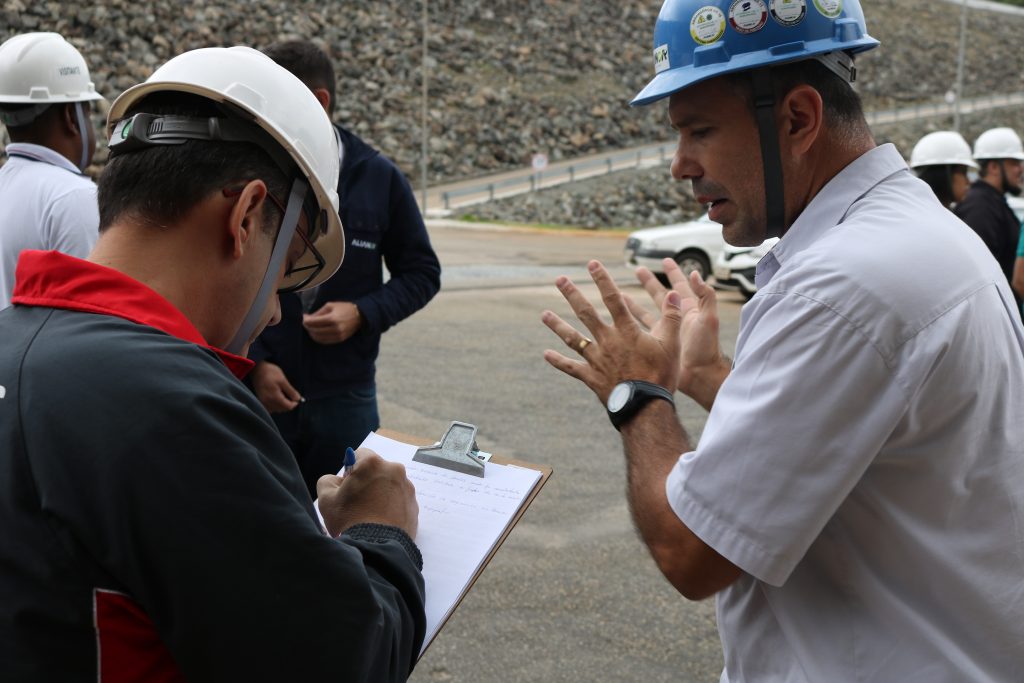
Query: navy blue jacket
[[985, 210], [382, 224]]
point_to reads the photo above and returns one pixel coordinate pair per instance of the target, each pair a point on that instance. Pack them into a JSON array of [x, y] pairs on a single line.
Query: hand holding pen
[[377, 492]]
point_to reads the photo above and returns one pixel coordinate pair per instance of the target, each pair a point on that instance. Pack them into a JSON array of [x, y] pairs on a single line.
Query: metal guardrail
[[527, 180], [558, 174], [925, 111]]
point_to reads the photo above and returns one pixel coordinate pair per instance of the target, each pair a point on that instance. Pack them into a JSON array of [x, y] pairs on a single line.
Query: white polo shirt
[[864, 461], [46, 204]]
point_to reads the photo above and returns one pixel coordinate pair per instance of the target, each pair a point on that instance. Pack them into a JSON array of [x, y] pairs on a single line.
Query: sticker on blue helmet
[[707, 25], [829, 8], [661, 61], [748, 16], [789, 12]]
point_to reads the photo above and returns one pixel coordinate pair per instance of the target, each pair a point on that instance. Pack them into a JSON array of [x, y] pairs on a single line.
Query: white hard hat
[[43, 68], [942, 148], [998, 143], [281, 105]]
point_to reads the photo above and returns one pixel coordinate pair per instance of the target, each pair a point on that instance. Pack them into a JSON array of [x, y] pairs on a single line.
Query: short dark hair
[[160, 184], [983, 166], [308, 63], [842, 105], [940, 179]]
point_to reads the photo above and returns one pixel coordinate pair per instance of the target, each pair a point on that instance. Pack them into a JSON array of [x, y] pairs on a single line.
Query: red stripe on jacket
[[128, 647]]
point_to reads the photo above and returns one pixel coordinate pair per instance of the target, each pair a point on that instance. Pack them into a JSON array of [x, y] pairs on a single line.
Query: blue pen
[[350, 461]]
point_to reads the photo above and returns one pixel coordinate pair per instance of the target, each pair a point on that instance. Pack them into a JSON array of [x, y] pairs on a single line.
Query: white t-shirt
[[47, 204], [864, 461]]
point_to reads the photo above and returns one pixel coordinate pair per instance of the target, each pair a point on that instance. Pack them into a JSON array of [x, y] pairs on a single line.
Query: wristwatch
[[628, 397]]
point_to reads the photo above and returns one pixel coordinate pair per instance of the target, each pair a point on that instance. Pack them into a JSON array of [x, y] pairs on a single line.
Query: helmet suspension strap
[[83, 133], [244, 335]]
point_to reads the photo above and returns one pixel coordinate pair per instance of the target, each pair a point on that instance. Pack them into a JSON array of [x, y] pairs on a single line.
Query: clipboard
[[544, 472]]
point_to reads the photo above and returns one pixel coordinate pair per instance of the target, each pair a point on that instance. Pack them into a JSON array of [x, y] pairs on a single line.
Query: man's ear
[[802, 118], [245, 218], [69, 119], [323, 96]]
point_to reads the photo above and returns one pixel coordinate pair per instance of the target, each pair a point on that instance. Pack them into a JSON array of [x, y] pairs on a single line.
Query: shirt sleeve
[[199, 511], [413, 266], [72, 222], [807, 407], [1020, 244]]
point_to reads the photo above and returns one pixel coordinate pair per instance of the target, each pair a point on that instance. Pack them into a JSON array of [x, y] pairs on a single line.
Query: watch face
[[619, 396]]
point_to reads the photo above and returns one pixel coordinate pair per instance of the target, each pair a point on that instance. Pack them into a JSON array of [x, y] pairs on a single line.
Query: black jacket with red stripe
[[155, 525]]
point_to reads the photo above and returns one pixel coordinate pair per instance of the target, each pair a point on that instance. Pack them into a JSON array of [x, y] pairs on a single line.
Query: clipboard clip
[[457, 451]]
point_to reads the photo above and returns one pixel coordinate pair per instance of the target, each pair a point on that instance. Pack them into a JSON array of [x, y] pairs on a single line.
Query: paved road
[[572, 595]]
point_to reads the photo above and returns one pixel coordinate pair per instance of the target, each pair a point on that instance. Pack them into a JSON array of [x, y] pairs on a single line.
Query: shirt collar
[[41, 153], [341, 147], [829, 207], [56, 280]]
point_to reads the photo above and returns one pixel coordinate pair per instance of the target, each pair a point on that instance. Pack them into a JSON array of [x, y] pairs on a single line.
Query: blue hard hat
[[695, 40]]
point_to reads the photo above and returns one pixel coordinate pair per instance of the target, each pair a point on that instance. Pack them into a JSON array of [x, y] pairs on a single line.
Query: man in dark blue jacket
[[315, 371]]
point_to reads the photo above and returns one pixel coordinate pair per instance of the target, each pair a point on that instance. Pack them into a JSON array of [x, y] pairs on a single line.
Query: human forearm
[[399, 298], [398, 590], [653, 443]]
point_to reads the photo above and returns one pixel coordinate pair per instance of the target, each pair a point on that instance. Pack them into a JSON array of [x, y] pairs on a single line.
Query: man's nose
[[684, 166]]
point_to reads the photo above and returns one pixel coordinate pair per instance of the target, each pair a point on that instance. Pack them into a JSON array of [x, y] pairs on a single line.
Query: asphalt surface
[[573, 594]]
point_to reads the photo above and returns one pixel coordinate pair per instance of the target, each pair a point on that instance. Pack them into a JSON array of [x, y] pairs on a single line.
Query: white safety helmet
[[38, 70], [281, 105], [43, 68], [998, 143], [942, 148]]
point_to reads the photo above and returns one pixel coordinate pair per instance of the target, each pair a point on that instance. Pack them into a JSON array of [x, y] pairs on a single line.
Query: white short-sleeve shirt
[[863, 463], [47, 204]]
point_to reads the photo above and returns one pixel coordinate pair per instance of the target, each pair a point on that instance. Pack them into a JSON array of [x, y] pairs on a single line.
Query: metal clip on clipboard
[[457, 451]]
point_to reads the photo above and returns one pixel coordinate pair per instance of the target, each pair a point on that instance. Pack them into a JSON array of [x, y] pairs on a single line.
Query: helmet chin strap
[[771, 160], [83, 133], [246, 331]]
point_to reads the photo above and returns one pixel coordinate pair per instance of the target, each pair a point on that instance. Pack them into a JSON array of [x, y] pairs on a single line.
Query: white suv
[[734, 269]]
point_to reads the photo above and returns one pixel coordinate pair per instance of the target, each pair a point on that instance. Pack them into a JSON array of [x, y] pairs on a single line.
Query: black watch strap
[[641, 393]]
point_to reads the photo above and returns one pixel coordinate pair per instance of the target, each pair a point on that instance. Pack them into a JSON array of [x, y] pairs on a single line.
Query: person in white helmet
[[942, 160], [999, 154], [156, 526], [45, 101], [324, 351], [855, 499]]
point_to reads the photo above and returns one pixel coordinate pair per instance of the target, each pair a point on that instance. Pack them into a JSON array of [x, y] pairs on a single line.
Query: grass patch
[[553, 227]]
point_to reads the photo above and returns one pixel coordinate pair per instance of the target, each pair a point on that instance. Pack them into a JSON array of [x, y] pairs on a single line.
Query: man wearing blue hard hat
[[856, 501]]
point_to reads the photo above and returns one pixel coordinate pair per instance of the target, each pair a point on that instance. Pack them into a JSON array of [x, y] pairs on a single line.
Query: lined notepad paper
[[462, 518]]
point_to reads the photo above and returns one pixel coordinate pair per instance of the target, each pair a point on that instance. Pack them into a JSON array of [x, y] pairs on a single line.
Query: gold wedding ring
[[583, 344]]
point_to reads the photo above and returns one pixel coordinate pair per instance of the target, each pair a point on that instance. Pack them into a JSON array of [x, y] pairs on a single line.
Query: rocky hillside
[[507, 77]]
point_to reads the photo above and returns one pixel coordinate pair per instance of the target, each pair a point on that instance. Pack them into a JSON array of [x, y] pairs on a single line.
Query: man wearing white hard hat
[[156, 526], [854, 502], [45, 96], [941, 159], [999, 154]]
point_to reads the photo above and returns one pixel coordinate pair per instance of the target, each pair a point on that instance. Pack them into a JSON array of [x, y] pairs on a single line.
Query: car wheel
[[690, 261]]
